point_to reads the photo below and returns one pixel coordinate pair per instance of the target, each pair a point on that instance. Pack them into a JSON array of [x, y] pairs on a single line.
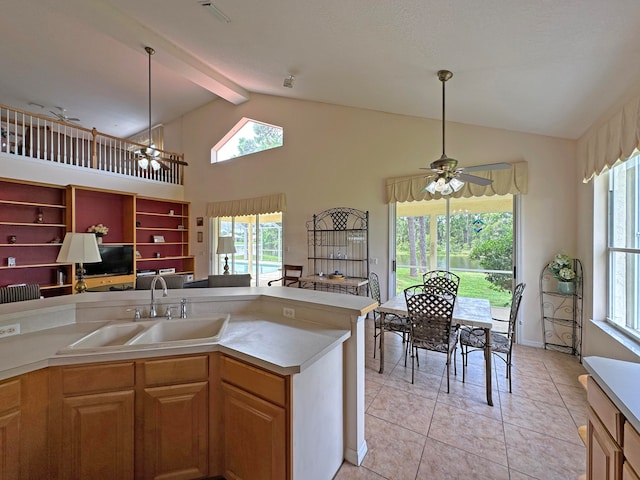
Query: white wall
[[338, 156], [44, 171]]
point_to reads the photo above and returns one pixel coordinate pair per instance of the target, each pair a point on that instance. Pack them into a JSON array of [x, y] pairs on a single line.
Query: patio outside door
[[472, 237]]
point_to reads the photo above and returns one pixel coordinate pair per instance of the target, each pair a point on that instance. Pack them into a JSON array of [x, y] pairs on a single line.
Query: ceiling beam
[[135, 35]]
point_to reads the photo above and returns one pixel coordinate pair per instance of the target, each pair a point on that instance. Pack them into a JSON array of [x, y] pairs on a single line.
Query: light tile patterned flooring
[[421, 432]]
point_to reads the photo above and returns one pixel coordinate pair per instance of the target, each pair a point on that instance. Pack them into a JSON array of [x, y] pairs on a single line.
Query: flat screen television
[[116, 260]]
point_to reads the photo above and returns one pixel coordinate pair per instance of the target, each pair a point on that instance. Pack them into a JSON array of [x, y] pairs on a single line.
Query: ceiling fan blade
[[489, 166], [473, 179]]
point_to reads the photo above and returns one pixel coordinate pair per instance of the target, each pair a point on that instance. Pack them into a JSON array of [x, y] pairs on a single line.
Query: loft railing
[[36, 136]]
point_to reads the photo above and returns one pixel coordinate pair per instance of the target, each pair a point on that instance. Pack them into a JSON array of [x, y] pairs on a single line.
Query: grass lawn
[[472, 284]]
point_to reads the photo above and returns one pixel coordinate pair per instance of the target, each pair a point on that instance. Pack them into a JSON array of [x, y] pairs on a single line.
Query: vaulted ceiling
[[539, 66]]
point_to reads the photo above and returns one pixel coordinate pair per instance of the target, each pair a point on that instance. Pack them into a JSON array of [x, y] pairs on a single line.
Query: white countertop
[[621, 382], [282, 345]]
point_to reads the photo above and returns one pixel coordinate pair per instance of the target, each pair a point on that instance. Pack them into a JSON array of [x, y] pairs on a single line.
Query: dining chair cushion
[[433, 344], [476, 338]]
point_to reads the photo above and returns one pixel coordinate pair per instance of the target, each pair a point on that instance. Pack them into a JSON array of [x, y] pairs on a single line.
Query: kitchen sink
[[148, 334], [182, 331], [109, 336]]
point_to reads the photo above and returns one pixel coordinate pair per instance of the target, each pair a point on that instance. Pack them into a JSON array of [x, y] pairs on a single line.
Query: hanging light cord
[[151, 51], [443, 116]]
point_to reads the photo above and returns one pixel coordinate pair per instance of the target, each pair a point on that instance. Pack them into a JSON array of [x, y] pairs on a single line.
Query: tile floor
[[421, 432]]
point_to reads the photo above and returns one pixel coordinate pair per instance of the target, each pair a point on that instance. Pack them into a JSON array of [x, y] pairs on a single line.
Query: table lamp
[[225, 246], [79, 248]]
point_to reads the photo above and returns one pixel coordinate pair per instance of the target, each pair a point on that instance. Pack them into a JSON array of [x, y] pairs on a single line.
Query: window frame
[[630, 324], [244, 121]]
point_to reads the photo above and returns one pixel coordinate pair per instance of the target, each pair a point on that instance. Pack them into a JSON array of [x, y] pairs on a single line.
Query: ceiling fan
[[446, 176], [62, 115]]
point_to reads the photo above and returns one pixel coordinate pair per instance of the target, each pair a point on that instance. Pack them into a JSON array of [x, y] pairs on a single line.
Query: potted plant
[[99, 230], [562, 269]]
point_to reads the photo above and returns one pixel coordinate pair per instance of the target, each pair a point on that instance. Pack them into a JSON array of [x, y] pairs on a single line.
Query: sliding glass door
[[258, 245], [473, 237]]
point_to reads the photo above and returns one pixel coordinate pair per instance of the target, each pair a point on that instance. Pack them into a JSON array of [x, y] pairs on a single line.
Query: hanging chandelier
[[148, 157]]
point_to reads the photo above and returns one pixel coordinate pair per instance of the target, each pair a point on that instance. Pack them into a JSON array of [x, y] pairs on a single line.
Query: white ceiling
[[539, 66]]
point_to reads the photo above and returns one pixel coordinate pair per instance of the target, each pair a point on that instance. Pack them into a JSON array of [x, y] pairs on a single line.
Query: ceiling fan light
[[446, 190], [441, 183], [431, 188], [155, 165], [143, 163], [456, 184]]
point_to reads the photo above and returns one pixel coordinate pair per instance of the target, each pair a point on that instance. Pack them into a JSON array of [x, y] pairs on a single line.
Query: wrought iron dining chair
[[290, 277], [392, 323], [19, 293], [472, 339], [430, 312], [442, 278]]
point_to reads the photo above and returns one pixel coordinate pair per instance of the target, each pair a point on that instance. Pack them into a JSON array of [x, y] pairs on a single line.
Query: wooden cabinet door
[[10, 430], [254, 437], [604, 456], [97, 439], [175, 432]]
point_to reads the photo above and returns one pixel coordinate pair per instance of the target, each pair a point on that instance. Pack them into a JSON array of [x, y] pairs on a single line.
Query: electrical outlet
[[8, 330], [289, 312]]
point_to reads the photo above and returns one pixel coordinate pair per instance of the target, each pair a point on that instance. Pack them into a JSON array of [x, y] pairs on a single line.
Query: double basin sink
[[151, 334]]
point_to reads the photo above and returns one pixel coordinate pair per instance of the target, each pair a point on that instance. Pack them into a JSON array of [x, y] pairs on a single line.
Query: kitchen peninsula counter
[[322, 345]]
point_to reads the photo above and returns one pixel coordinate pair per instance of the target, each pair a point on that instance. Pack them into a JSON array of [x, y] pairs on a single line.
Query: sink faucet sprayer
[[152, 309]]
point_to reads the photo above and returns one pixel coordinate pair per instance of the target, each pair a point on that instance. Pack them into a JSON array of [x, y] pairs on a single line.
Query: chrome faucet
[[153, 313]]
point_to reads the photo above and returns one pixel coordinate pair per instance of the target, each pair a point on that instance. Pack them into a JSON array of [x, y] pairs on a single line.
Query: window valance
[[410, 189], [248, 206], [614, 140]]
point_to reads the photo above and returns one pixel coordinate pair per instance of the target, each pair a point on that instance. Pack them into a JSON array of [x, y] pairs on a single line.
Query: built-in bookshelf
[[35, 217], [162, 235], [33, 222]]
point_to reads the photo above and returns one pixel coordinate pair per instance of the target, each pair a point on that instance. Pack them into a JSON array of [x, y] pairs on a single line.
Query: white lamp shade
[[225, 245], [79, 248]]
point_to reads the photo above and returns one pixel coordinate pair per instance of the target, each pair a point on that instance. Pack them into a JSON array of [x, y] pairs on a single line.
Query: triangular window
[[246, 137]]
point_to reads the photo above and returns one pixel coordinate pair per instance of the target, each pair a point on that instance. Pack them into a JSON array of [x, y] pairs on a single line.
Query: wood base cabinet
[[10, 429], [92, 421], [174, 408], [255, 406], [604, 455]]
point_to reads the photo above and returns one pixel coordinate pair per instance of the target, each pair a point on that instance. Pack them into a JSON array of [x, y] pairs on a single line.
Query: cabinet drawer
[[632, 446], [9, 395], [176, 370], [95, 378], [255, 380], [607, 412], [113, 280]]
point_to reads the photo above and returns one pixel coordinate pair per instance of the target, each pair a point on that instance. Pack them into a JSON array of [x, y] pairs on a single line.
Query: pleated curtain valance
[[616, 139], [248, 206], [411, 189]]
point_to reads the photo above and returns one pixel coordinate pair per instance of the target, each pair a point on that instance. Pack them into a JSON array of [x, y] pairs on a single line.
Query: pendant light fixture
[[148, 157]]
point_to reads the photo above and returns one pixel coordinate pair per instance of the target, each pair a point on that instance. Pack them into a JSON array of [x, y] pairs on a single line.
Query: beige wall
[[338, 156]]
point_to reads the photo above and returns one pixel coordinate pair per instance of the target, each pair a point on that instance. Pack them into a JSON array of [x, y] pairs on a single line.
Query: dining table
[[467, 311]]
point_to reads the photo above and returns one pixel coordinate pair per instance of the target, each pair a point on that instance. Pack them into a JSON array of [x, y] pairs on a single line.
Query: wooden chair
[[392, 323], [430, 312], [501, 342], [443, 279], [19, 293], [291, 276]]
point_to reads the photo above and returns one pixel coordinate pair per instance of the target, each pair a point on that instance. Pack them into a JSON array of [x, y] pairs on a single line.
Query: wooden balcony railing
[[36, 136]]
